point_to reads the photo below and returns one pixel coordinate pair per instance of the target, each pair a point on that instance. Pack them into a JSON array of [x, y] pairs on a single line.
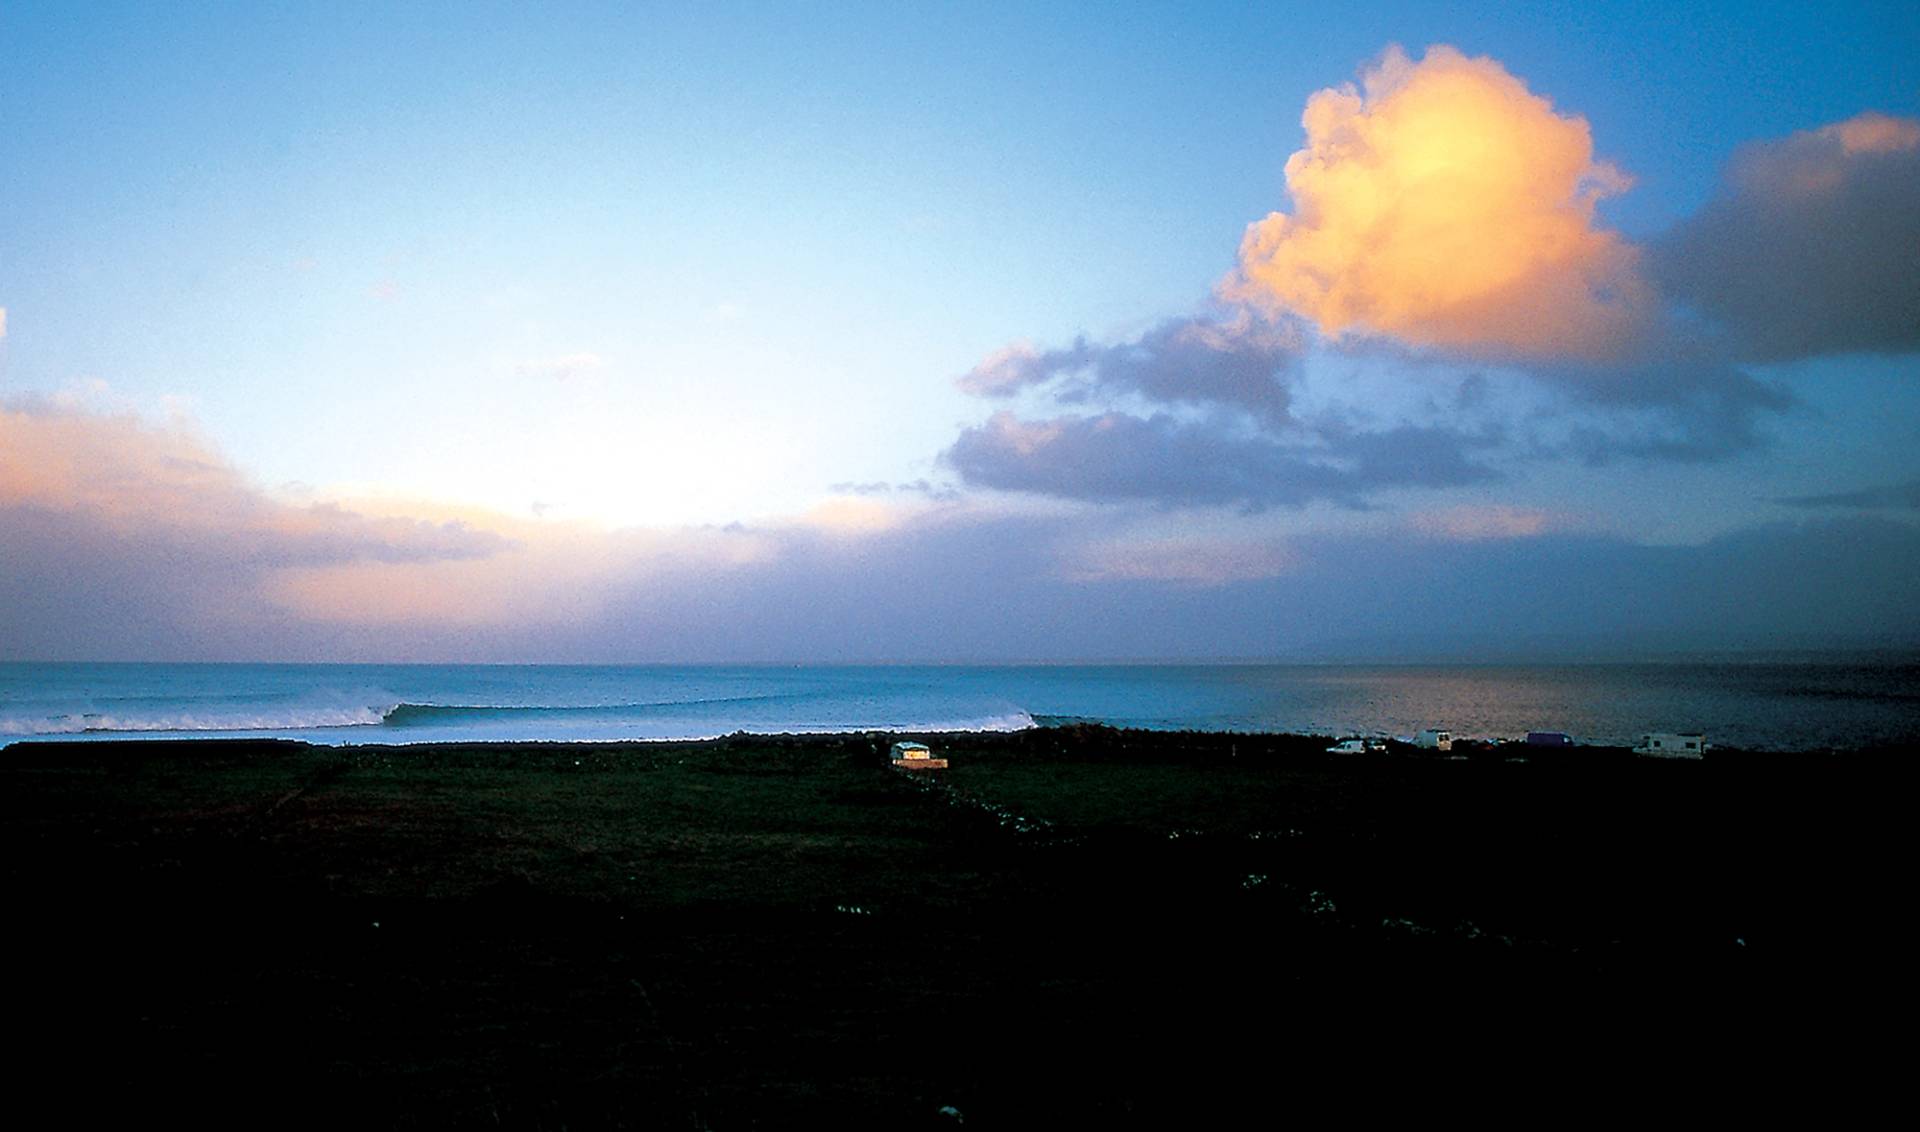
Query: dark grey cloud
[[1252, 449], [1240, 362], [1890, 497], [1161, 459], [1815, 584], [1227, 436], [1685, 410], [1811, 247]]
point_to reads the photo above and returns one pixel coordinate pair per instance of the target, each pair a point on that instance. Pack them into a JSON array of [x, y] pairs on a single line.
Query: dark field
[[1079, 927]]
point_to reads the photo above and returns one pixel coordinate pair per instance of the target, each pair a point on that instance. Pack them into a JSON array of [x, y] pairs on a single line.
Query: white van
[[1667, 745]]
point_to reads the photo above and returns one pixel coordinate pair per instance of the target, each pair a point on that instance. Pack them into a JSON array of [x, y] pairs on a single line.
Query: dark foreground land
[[1081, 927]]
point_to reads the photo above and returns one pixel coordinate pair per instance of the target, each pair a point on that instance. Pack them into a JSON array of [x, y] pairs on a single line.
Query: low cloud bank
[[1891, 497], [948, 581]]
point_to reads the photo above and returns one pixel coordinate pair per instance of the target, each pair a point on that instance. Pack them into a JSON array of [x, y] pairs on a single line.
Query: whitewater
[[1843, 703]]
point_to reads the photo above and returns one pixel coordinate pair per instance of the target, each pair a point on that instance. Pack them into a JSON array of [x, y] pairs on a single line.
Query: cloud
[[1812, 245], [1446, 214], [3, 322], [552, 576], [1008, 587], [1238, 361], [146, 544], [939, 493], [855, 515], [1186, 561], [1480, 522], [1814, 584], [166, 485], [1682, 410], [1894, 497], [1445, 205], [1162, 459], [121, 539]]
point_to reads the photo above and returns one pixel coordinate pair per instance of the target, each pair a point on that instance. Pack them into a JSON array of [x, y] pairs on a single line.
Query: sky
[[680, 333]]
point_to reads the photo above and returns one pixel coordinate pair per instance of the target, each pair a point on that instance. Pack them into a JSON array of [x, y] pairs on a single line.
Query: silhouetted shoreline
[[1071, 924]]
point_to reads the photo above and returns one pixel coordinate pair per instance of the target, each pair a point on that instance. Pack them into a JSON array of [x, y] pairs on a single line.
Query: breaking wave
[[91, 723], [425, 722], [430, 715]]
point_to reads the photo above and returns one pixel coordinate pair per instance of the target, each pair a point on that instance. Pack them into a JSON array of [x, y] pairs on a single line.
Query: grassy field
[[1074, 925]]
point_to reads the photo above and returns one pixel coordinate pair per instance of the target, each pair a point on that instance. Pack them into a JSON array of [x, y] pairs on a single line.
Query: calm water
[[1751, 705]]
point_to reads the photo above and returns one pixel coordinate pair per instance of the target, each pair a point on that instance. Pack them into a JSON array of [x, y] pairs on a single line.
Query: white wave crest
[[1011, 721], [293, 719]]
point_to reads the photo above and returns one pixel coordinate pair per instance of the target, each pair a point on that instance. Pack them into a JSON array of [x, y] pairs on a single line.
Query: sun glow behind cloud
[[611, 462]]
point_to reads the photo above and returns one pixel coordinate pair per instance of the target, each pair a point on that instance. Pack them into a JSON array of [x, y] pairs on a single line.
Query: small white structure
[[1357, 747], [916, 756], [1668, 745], [1434, 739]]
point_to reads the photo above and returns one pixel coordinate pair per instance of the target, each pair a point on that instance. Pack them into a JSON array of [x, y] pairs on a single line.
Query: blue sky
[[634, 274]]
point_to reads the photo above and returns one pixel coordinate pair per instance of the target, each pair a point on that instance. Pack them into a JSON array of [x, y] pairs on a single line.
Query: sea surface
[[1850, 704]]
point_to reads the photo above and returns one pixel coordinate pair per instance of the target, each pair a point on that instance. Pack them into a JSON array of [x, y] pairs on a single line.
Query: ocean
[[1838, 704]]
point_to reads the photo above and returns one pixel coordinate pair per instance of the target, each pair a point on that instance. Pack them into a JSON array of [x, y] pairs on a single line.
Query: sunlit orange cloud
[[558, 582], [1875, 133], [1814, 162], [124, 474], [1481, 523], [845, 514], [1444, 204], [61, 457]]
